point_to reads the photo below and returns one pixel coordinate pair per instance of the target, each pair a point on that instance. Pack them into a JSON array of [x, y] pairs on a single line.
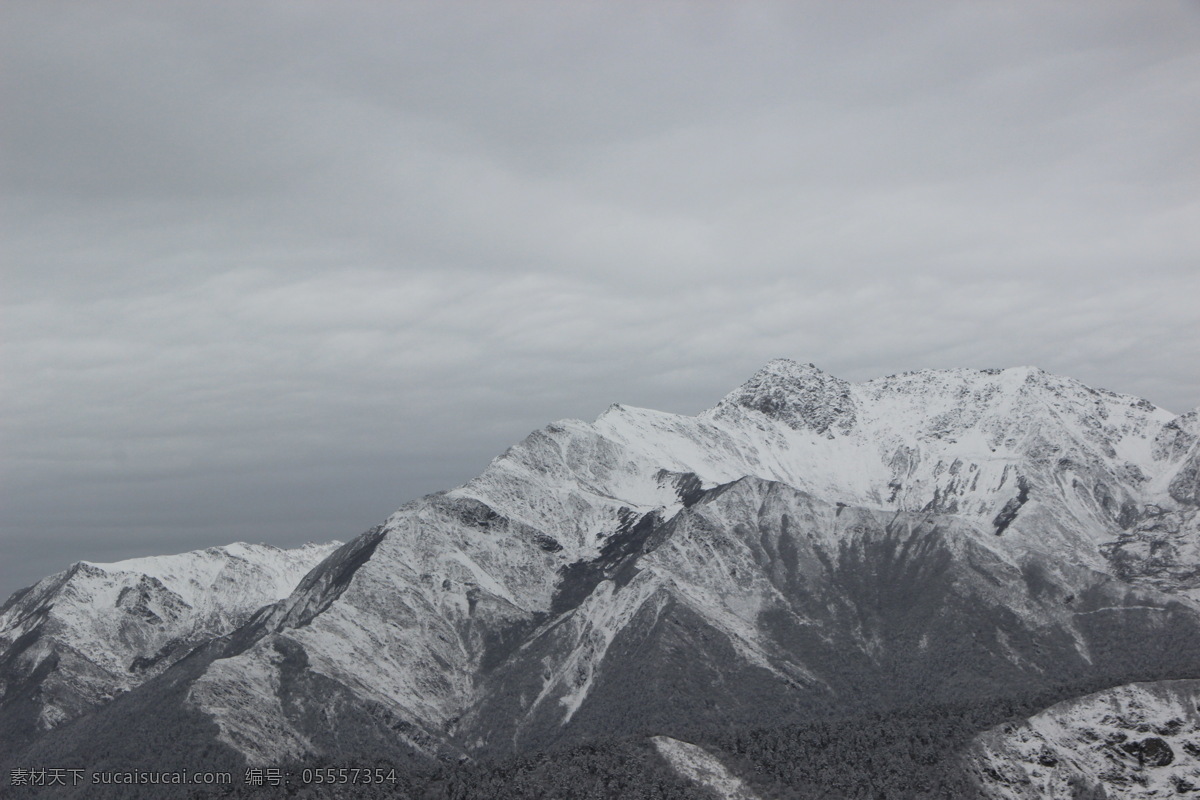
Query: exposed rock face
[[801, 397], [806, 544], [1185, 487]]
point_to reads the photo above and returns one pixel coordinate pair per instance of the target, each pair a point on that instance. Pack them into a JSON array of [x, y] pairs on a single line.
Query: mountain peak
[[1027, 374], [802, 396], [789, 366]]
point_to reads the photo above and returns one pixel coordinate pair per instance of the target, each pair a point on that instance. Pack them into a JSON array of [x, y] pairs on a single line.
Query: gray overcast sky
[[273, 268]]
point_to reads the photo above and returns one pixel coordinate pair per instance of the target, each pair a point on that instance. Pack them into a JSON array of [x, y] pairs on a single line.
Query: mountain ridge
[[805, 544]]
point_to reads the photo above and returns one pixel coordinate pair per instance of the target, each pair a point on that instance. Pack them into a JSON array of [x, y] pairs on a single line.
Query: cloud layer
[[273, 269]]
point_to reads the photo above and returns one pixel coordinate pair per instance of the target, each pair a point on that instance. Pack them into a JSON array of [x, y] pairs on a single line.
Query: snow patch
[[702, 768]]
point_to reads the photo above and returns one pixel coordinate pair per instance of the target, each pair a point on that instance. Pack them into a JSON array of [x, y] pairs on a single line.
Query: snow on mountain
[[75, 639], [702, 768], [1134, 742], [806, 541], [1026, 467], [974, 443]]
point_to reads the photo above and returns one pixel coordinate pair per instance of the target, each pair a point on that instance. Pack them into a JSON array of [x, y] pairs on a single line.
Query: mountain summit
[[799, 395], [807, 547]]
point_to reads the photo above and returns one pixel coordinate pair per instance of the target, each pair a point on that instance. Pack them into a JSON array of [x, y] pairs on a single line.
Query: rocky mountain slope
[[1133, 741], [807, 546]]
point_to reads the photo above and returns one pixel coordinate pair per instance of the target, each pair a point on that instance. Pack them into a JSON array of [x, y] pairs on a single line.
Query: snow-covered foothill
[[98, 629]]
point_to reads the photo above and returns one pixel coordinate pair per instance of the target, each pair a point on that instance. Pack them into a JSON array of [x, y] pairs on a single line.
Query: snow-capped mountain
[[806, 544], [74, 640]]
